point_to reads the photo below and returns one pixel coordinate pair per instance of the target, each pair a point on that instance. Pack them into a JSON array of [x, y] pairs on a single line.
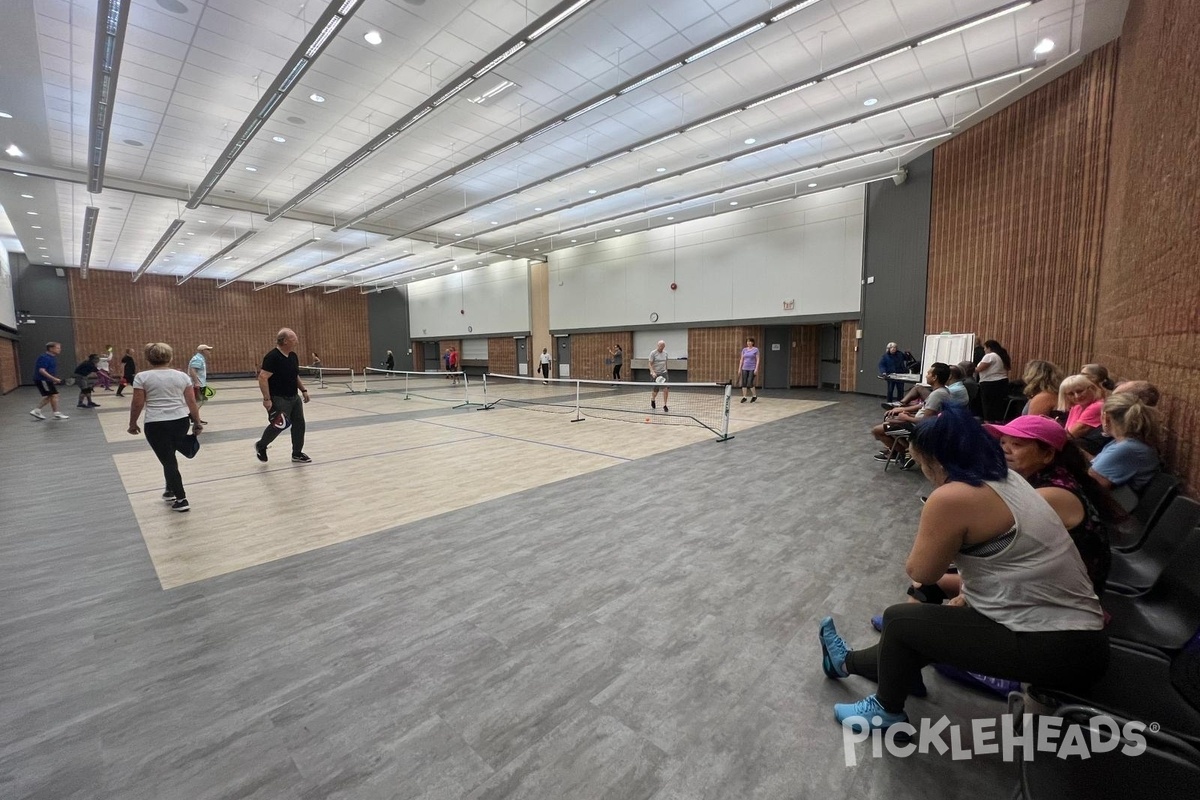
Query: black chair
[[1169, 767], [1141, 683], [1168, 614], [896, 453], [1154, 500], [1136, 571]]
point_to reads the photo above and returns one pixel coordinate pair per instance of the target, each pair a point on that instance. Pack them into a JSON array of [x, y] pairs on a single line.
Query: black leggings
[[993, 397], [616, 372], [164, 438], [917, 634]]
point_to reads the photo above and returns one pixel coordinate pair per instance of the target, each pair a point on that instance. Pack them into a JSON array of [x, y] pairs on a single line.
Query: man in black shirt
[[129, 369], [283, 395]]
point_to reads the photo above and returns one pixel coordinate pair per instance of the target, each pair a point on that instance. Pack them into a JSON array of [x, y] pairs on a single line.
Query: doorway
[[830, 375], [522, 355], [562, 350], [776, 351]]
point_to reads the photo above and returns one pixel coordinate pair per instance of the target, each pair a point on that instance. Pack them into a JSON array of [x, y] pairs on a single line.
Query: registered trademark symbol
[[1155, 727]]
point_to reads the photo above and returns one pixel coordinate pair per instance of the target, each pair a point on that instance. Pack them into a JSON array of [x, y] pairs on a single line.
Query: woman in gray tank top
[[1027, 611]]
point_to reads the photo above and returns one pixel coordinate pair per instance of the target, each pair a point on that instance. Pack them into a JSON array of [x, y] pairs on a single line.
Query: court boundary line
[[585, 451]]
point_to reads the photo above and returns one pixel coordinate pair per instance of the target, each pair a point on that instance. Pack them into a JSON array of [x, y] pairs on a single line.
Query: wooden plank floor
[[390, 472]]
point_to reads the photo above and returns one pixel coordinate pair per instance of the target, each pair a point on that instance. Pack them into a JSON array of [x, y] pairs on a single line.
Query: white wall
[[740, 265], [8, 312], [494, 299]]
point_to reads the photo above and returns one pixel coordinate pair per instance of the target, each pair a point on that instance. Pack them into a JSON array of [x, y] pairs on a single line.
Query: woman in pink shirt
[[1083, 401]]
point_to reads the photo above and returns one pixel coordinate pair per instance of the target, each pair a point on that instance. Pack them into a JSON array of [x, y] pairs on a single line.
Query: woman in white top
[[992, 374], [1027, 610], [170, 405]]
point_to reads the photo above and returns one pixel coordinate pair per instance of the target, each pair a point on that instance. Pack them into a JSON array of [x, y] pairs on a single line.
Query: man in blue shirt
[[198, 371], [46, 381]]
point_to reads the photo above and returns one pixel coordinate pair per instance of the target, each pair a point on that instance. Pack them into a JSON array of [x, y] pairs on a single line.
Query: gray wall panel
[[897, 258], [387, 323], [43, 295]]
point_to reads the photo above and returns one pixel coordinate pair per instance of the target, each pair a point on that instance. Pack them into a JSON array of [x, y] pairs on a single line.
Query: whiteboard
[[948, 348], [475, 349], [645, 341]]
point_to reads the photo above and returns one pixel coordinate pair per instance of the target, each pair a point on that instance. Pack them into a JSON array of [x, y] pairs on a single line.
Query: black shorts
[[46, 388]]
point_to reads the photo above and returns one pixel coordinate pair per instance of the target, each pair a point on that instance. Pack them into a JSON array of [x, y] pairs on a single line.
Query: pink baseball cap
[[1042, 429]]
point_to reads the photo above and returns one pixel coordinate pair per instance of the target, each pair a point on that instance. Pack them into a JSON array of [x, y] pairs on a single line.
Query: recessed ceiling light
[[27, 196], [661, 169], [670, 218], [733, 202], [495, 223], [750, 141], [40, 238], [228, 258], [36, 227], [537, 249], [373, 37], [5, 115], [616, 230], [297, 120], [455, 267], [279, 139], [574, 240], [21, 174], [31, 213], [870, 101], [133, 143], [316, 98], [190, 233], [591, 191], [202, 221], [478, 262], [251, 169], [1043, 47], [812, 185], [538, 208], [14, 151], [43, 248]]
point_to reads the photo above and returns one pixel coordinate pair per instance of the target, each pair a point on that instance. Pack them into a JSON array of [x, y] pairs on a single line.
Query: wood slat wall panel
[[237, 321], [713, 352], [589, 351], [1148, 325], [849, 365], [1017, 219], [10, 370], [804, 369]]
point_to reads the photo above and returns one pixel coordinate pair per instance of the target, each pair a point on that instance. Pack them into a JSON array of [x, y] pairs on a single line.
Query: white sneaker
[[60, 415], [37, 412]]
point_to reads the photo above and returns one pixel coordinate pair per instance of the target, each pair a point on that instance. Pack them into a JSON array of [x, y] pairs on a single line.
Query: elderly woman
[[1042, 380], [992, 374], [170, 404], [1082, 400], [1098, 374], [1131, 458], [1027, 608]]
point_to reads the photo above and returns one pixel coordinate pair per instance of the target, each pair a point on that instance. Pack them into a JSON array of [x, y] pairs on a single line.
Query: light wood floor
[[372, 470]]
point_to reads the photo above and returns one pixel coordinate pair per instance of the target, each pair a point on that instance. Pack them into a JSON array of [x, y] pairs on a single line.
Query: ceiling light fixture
[[373, 37], [14, 151], [154, 251], [316, 98], [223, 252], [557, 19], [728, 40], [987, 17], [1043, 47], [5, 115], [279, 139], [27, 196], [271, 260], [251, 169], [792, 9], [310, 47], [750, 141], [89, 232], [32, 213], [812, 186], [112, 16], [326, 263], [21, 174], [870, 101]]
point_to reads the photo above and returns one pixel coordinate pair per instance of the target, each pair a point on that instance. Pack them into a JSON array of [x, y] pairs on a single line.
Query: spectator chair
[[1169, 767], [1136, 571], [1154, 500], [896, 452], [1168, 614]]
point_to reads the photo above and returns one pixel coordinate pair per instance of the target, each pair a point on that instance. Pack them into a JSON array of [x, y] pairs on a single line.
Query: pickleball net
[[330, 377], [447, 387], [702, 404]]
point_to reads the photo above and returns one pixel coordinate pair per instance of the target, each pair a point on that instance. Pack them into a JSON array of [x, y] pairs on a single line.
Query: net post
[[485, 406], [724, 436], [578, 416], [406, 395]]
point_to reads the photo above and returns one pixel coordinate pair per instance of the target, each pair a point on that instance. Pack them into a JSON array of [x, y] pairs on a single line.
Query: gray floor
[[647, 631]]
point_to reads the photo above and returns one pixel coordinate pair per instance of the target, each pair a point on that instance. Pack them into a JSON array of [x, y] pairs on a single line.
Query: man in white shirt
[[658, 369], [198, 372]]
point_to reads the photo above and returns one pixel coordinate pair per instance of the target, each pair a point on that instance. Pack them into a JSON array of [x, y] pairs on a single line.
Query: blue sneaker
[[877, 622], [833, 650], [866, 714]]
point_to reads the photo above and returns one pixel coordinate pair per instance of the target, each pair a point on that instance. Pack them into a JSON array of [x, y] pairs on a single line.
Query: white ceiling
[[192, 70]]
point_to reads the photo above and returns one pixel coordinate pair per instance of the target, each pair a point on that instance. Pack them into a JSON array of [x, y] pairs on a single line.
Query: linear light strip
[[310, 269], [978, 21], [112, 18], [224, 251], [379, 280], [364, 269], [460, 82], [319, 36], [154, 251], [722, 114], [89, 232], [269, 261]]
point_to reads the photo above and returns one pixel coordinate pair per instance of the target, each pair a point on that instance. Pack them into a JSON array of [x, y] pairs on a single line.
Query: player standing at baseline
[[658, 373]]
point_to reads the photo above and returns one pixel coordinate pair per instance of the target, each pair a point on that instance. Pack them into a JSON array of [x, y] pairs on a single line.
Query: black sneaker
[[752, 399], [653, 404], [300, 458], [168, 497], [181, 505], [666, 410], [745, 399], [882, 455], [907, 462], [260, 451]]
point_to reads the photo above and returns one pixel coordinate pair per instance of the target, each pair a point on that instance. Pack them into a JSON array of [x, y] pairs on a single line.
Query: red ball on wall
[[674, 286]]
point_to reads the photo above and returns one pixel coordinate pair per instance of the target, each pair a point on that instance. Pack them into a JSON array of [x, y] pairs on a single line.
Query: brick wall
[[10, 370], [1148, 325], [237, 321], [1016, 220], [849, 356], [502, 355], [446, 344], [590, 350], [804, 369]]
